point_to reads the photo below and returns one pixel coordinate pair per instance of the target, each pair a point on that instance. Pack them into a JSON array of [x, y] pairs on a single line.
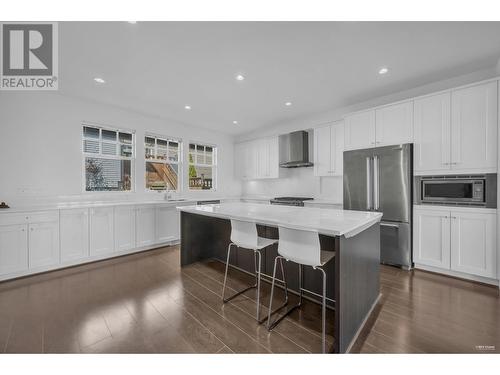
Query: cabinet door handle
[[453, 217]]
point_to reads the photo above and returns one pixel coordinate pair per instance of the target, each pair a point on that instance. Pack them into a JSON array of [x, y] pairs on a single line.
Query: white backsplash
[[298, 182]]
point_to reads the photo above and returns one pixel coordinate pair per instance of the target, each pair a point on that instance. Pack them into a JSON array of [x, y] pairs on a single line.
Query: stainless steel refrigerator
[[380, 179]]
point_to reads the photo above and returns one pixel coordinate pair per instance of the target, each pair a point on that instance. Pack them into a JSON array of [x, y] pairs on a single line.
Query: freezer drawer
[[395, 244]]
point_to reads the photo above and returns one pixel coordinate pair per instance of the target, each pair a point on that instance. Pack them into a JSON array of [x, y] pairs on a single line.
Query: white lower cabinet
[[473, 243], [431, 238], [145, 226], [462, 241], [74, 234], [32, 242], [124, 224], [167, 224], [43, 243], [101, 231], [13, 249]]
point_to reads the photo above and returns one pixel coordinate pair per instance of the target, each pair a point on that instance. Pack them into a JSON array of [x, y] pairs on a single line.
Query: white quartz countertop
[[332, 222], [92, 204]]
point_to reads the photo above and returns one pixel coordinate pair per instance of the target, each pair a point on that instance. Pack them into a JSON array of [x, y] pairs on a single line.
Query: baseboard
[[457, 275], [79, 262]]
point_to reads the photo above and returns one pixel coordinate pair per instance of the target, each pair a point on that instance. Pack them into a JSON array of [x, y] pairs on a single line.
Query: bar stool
[[301, 247], [244, 235]]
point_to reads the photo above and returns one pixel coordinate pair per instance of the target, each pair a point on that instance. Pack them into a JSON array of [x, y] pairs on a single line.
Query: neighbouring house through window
[[202, 167], [108, 158], [163, 162]]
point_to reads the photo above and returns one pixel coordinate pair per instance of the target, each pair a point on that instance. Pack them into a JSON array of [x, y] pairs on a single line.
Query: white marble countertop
[[332, 222]]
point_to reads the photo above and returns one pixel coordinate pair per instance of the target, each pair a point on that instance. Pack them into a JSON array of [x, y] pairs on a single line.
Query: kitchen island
[[353, 277]]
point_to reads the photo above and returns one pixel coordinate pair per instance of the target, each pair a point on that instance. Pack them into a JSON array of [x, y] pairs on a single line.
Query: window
[[202, 167], [163, 161], [108, 158]]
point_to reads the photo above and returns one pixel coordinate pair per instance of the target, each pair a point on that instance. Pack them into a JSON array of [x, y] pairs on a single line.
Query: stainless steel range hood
[[294, 150]]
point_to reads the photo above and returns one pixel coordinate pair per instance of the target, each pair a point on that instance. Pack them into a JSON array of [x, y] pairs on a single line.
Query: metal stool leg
[[323, 313], [225, 273], [257, 275], [271, 325], [225, 280], [258, 268], [272, 294]]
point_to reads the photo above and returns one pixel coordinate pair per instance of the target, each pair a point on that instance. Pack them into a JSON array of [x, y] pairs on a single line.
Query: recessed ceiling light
[[288, 104], [99, 80], [235, 122], [132, 22], [240, 77], [383, 70], [187, 107]]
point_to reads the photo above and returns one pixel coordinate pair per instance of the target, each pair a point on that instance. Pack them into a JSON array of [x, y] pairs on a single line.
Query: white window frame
[[214, 164], [164, 161], [100, 155]]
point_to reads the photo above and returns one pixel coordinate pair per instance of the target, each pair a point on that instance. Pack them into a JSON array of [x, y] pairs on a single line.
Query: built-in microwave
[[461, 190]]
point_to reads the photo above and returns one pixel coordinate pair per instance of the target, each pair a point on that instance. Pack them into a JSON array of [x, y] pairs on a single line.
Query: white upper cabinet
[[74, 234], [431, 237], [124, 224], [167, 224], [248, 160], [43, 244], [240, 150], [13, 248], [473, 243], [328, 150], [432, 124], [474, 128], [322, 149], [274, 157], [388, 125], [262, 148], [394, 124], [101, 231], [360, 130], [257, 159], [145, 226]]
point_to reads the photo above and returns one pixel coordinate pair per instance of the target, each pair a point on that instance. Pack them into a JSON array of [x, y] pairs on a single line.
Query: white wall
[[40, 148], [301, 181]]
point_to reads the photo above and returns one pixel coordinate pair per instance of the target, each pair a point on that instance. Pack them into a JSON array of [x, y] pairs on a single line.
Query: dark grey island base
[[353, 277]]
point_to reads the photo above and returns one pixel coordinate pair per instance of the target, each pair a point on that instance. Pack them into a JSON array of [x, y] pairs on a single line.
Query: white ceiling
[[159, 67]]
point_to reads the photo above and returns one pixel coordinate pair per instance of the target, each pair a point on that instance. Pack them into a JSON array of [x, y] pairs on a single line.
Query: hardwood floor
[[145, 303]]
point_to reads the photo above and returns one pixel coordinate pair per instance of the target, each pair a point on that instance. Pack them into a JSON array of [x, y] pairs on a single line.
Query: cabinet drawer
[[29, 217], [43, 217], [13, 219]]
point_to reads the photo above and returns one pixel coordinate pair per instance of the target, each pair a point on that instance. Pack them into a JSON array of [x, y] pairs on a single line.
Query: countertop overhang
[[331, 222]]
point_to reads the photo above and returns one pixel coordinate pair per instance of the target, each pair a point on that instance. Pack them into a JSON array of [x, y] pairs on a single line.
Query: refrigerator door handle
[[376, 179], [368, 183], [395, 226]]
